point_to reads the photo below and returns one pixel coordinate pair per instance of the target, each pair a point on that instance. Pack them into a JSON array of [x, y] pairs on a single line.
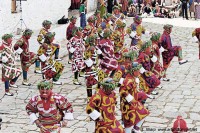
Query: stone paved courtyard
[[180, 96]]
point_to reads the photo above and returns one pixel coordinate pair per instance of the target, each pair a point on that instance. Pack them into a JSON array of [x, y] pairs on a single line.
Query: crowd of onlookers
[[152, 9], [147, 8], [158, 8]]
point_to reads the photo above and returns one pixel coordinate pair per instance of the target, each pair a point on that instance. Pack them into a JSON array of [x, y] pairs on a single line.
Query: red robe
[[77, 56], [51, 111], [105, 104], [108, 62], [50, 68], [90, 72], [151, 80], [27, 57], [157, 67], [171, 50], [9, 68], [69, 31], [132, 112]]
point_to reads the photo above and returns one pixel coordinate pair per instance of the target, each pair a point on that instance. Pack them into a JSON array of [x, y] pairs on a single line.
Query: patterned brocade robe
[[50, 67], [157, 67], [108, 62], [196, 33], [89, 29], [90, 70], [105, 105], [151, 80], [170, 51], [139, 29], [119, 48], [98, 22], [9, 68], [103, 25], [51, 111], [69, 31], [27, 57], [41, 35], [78, 47], [118, 17], [132, 112]]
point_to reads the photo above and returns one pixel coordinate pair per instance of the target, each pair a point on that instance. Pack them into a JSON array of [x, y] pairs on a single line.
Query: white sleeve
[[132, 35], [19, 50], [95, 114], [161, 49], [99, 51], [71, 50], [88, 62], [4, 59], [33, 118], [142, 70], [154, 59], [121, 80], [43, 58], [137, 80], [194, 39], [129, 98]]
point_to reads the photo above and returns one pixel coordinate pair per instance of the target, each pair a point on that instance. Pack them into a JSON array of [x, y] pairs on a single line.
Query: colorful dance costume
[[169, 50], [101, 108], [157, 67], [196, 33], [108, 62], [146, 73], [135, 31], [76, 46], [69, 34], [53, 109], [133, 112], [51, 68], [46, 26], [91, 59], [27, 58], [10, 72]]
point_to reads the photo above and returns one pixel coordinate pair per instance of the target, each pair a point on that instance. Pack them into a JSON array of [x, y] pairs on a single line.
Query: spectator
[[192, 7], [147, 9], [165, 12], [124, 6], [157, 11], [184, 8], [110, 5], [140, 5], [83, 12], [75, 4], [132, 11], [153, 3]]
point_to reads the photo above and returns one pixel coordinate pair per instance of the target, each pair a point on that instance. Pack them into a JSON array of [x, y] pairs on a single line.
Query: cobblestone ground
[[180, 96]]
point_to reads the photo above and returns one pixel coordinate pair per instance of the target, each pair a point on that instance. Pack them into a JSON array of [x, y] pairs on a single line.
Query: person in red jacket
[[27, 58], [69, 33], [54, 110], [180, 125], [10, 71], [170, 51]]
